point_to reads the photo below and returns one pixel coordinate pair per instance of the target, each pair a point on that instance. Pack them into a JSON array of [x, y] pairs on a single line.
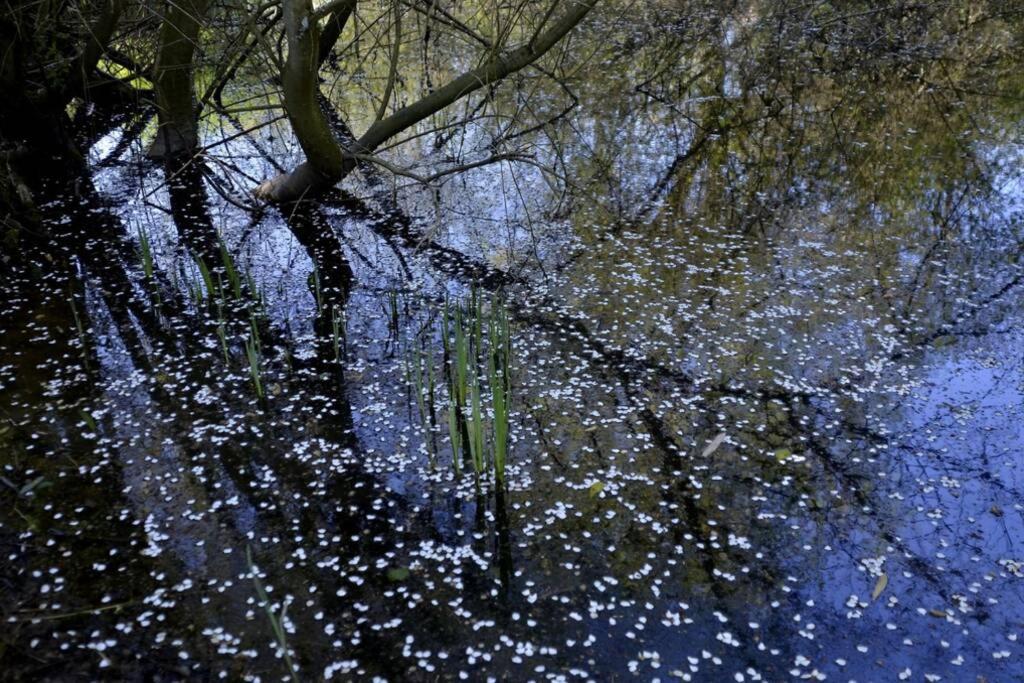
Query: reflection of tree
[[770, 155]]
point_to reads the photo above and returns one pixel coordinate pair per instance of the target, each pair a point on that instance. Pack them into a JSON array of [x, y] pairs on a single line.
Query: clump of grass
[[226, 303], [476, 373], [480, 441]]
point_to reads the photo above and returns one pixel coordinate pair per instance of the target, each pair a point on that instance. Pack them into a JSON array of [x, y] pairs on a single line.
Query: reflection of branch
[[427, 180], [442, 16], [392, 68], [492, 71]]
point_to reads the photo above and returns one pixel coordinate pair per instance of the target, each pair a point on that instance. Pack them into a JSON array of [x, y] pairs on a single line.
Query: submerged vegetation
[[530, 340]]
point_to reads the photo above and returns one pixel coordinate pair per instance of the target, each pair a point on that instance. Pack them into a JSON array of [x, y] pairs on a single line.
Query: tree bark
[[178, 131], [327, 162]]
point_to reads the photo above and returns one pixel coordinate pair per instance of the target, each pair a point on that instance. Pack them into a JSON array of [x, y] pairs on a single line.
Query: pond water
[[765, 381]]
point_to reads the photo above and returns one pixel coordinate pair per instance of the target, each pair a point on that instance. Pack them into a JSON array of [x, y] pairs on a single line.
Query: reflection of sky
[[784, 572], [1006, 160], [816, 610]]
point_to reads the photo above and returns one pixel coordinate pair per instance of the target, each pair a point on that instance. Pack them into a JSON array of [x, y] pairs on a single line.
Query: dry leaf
[[880, 585]]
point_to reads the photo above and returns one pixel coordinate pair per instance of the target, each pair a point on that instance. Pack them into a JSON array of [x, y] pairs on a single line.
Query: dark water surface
[[767, 381]]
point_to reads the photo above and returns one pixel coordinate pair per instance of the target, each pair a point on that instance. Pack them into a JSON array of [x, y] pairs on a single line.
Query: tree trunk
[[326, 161], [172, 75]]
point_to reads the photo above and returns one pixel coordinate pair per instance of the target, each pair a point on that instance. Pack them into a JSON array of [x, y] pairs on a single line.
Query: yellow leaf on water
[[782, 453], [880, 585], [596, 488]]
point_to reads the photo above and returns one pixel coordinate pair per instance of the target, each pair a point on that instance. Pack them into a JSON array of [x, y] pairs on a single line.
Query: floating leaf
[[782, 453], [713, 446], [398, 574], [880, 585], [596, 488]]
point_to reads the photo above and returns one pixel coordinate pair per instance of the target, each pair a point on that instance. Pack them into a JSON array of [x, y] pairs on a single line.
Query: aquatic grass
[[230, 270], [419, 376], [276, 620], [475, 427], [455, 434], [498, 360], [432, 413], [145, 253], [476, 360], [418, 383], [459, 382], [318, 293], [338, 338], [252, 354], [481, 437], [80, 329], [477, 303], [148, 268], [393, 305], [90, 422], [254, 331], [204, 272], [222, 332], [259, 300]]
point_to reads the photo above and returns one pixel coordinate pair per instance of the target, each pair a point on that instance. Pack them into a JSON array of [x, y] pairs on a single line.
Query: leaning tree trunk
[[326, 161], [172, 75]]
